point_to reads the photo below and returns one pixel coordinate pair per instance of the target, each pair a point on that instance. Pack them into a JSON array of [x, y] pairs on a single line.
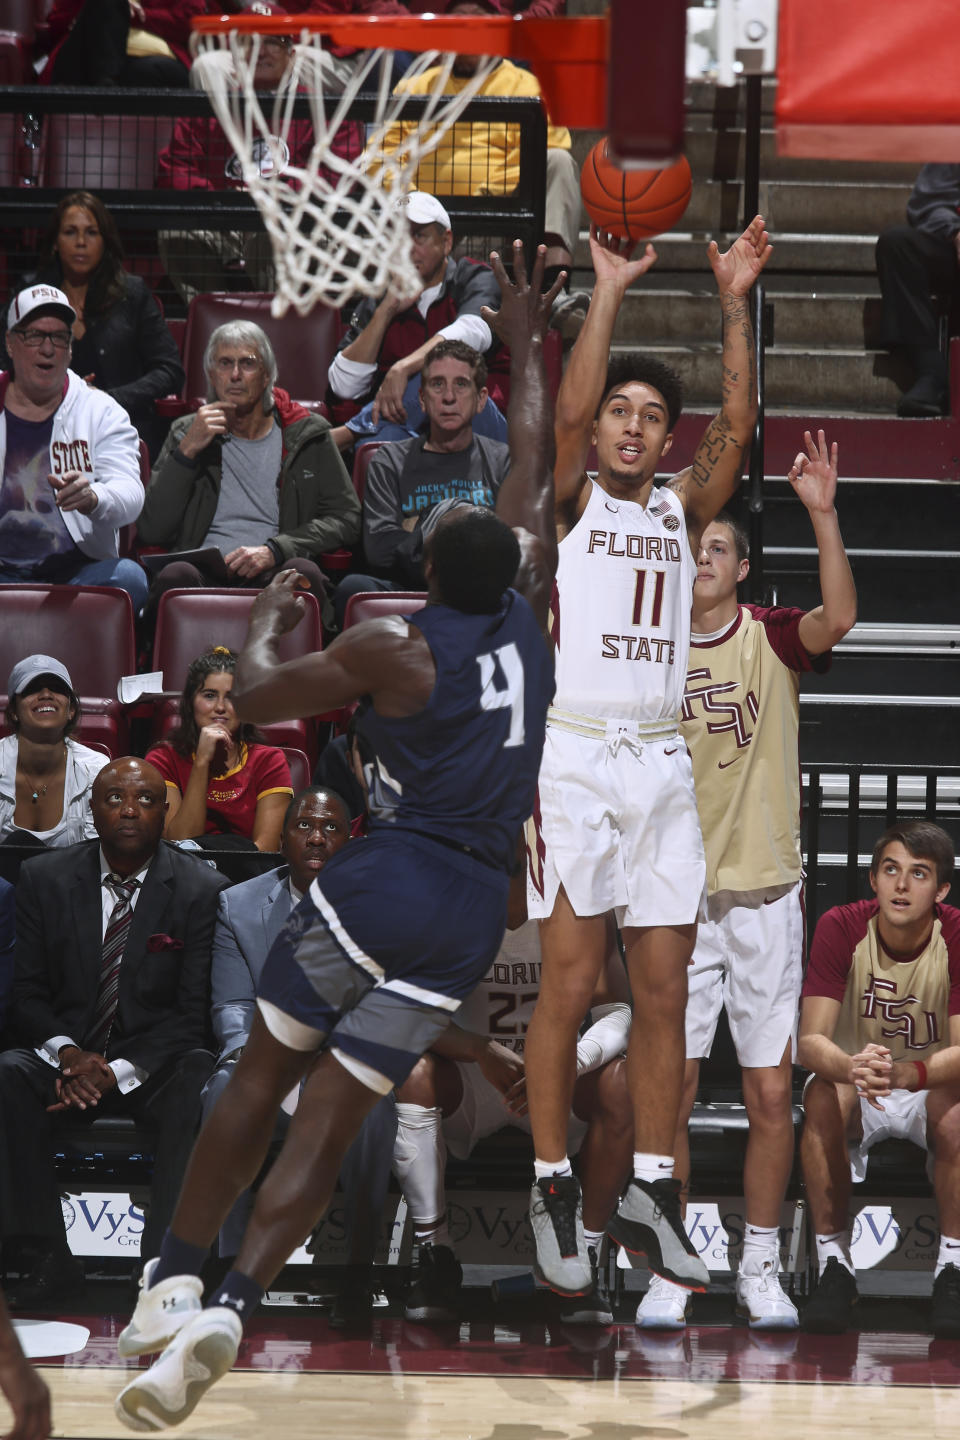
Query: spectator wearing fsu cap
[[45, 776], [69, 459], [382, 353]]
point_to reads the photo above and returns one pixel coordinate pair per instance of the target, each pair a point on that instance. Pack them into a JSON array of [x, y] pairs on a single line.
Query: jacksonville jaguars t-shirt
[[34, 541]]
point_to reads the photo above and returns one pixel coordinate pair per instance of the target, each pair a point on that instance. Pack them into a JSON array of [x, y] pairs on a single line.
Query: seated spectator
[[382, 352], [69, 459], [277, 497], [199, 157], [880, 1029], [221, 779], [109, 1014], [471, 1084], [915, 262], [250, 917], [121, 42], [8, 935], [46, 777], [483, 158], [121, 343], [411, 484]]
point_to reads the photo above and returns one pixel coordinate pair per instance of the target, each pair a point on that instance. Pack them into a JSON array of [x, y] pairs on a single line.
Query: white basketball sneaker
[[761, 1301], [160, 1312], [664, 1307], [202, 1352]]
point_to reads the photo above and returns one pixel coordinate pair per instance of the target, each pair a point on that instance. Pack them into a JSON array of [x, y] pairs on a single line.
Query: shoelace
[[562, 1208]]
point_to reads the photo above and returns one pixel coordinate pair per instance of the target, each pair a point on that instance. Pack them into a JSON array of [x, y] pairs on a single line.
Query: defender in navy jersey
[[379, 954]]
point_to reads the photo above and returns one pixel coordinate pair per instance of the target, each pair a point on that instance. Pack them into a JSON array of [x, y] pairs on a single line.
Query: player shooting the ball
[[617, 825]]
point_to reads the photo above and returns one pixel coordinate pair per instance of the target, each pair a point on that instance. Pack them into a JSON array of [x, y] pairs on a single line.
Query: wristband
[[923, 1074]]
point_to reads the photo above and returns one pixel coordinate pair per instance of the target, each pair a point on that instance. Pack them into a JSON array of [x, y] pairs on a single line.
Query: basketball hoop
[[336, 224]]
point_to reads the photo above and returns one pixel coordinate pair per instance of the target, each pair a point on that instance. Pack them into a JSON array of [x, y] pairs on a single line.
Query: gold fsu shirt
[[904, 1004], [740, 720]]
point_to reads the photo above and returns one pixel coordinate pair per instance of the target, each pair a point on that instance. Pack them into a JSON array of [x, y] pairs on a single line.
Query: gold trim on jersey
[[596, 728]]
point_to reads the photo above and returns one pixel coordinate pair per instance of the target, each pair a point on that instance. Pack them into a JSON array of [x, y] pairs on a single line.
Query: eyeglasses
[[247, 363], [59, 339]]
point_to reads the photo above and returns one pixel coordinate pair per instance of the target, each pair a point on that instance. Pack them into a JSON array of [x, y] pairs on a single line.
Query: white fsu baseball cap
[[39, 297], [424, 209]]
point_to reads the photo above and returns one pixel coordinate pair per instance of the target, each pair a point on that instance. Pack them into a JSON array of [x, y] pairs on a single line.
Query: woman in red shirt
[[221, 779]]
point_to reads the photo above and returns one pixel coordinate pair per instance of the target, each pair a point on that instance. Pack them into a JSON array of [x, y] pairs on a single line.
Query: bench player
[[880, 1029], [740, 721], [471, 1084], [378, 955], [617, 819]]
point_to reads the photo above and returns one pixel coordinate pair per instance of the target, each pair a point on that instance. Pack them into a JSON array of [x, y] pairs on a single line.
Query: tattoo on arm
[[712, 447]]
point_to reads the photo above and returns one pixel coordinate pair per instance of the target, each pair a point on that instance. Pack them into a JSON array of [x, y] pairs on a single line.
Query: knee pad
[[419, 1158]]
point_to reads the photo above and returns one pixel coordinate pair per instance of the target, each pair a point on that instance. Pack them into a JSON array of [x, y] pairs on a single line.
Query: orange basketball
[[633, 204]]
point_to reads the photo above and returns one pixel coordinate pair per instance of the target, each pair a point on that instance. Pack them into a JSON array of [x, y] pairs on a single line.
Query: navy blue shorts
[[392, 935]]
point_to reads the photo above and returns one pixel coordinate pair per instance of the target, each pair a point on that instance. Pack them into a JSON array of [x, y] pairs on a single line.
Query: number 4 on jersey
[[509, 692]]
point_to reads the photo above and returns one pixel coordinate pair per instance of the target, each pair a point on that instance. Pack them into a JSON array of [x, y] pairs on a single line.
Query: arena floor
[[522, 1375]]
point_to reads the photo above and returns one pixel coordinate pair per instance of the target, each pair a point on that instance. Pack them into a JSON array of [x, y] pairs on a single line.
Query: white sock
[[949, 1253], [593, 1238], [432, 1234], [760, 1243], [543, 1169], [834, 1247], [652, 1167], [419, 1158]]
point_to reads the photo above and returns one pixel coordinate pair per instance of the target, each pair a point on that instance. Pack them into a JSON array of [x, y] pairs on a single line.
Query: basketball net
[[336, 225]]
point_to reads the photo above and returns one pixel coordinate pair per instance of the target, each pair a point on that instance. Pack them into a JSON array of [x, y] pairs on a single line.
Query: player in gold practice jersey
[[880, 1029], [740, 720], [616, 824]]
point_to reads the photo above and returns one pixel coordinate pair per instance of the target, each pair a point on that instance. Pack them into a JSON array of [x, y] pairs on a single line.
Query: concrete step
[[874, 514], [720, 154], [681, 251], [818, 322], [842, 380]]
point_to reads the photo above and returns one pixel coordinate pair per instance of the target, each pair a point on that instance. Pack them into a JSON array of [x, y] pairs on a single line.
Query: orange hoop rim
[[567, 53]]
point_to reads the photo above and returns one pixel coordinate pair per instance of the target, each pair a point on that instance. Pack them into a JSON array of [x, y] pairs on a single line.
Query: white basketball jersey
[[621, 618], [502, 1004]]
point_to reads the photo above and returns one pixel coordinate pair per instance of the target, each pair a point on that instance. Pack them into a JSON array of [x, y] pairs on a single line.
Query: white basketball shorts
[[903, 1117], [481, 1112], [616, 825], [748, 959]]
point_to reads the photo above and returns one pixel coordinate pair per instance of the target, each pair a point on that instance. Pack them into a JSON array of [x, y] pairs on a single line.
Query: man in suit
[[110, 1006]]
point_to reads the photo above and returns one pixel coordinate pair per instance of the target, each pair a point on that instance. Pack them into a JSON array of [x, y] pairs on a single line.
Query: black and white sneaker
[[594, 1308], [556, 1219], [434, 1293], [649, 1223]]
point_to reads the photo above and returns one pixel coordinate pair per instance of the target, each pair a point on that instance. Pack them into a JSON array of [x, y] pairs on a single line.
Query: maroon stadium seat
[[304, 345], [89, 628], [192, 621], [374, 604]]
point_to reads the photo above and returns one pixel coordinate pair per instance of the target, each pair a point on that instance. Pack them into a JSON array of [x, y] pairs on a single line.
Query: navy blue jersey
[[464, 768]]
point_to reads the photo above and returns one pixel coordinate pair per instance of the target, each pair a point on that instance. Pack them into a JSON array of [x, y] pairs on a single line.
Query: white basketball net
[[335, 224]]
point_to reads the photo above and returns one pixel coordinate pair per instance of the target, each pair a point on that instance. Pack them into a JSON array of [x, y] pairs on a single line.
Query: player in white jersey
[[617, 821], [740, 721], [471, 1084]]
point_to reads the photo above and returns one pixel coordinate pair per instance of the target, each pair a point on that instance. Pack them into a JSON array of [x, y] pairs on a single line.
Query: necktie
[[114, 941]]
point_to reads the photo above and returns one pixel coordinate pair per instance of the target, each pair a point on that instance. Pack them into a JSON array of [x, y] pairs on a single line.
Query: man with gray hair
[[252, 475]]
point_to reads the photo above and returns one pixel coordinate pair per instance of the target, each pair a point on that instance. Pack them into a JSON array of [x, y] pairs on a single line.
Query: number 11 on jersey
[[656, 605], [511, 671]]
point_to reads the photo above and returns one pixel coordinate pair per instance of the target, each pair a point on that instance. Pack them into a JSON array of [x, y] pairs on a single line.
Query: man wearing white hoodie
[[69, 459]]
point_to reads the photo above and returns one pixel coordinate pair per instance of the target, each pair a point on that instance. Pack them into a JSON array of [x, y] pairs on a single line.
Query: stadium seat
[[102, 152], [89, 628], [128, 534], [300, 770], [191, 621], [304, 346], [375, 604], [15, 68], [361, 463]]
